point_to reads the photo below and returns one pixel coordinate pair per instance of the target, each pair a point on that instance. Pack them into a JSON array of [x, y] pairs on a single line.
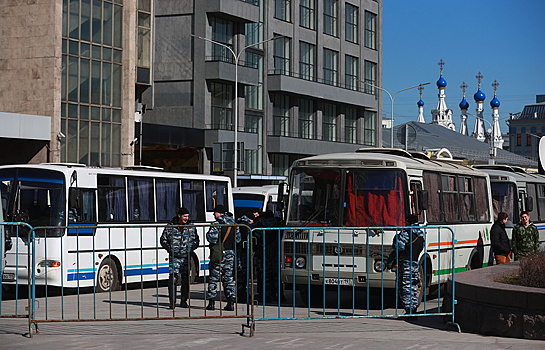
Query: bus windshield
[[504, 199], [34, 196], [347, 198], [247, 203]]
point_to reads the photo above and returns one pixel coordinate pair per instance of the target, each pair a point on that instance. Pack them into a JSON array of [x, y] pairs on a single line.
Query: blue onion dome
[[441, 83], [479, 96], [464, 104], [420, 103], [495, 103]]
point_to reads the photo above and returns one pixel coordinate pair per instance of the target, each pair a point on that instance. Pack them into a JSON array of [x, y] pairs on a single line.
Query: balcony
[[296, 145], [320, 90], [223, 70], [233, 10]]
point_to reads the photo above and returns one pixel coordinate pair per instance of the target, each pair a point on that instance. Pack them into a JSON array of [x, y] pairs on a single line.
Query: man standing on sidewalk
[[179, 242], [525, 239], [228, 236]]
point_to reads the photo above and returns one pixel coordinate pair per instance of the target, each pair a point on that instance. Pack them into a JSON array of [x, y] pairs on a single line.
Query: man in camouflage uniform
[[525, 239], [179, 242], [409, 243], [217, 234]]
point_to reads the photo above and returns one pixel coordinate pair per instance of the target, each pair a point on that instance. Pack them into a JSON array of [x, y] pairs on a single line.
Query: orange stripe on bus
[[450, 243]]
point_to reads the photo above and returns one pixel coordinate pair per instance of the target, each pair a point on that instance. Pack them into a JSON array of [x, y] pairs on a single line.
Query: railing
[[345, 274], [120, 272]]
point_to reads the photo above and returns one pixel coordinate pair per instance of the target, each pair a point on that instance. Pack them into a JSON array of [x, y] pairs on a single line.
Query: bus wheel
[[420, 288], [193, 273], [108, 278]]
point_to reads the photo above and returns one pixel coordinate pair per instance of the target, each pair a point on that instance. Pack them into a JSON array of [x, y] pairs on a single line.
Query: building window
[[351, 26], [528, 140], [306, 14], [351, 72], [330, 17], [351, 125], [519, 140], [369, 128], [306, 60], [143, 40], [254, 93], [91, 80], [329, 122], [280, 164], [222, 31], [370, 30], [306, 118], [281, 115], [253, 123], [281, 56], [370, 77], [282, 10], [330, 67], [222, 106]]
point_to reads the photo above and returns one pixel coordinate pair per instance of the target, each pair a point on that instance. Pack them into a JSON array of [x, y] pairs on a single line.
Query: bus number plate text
[[341, 281], [8, 277]]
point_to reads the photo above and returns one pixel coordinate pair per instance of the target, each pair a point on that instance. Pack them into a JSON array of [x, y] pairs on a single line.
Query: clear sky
[[504, 40]]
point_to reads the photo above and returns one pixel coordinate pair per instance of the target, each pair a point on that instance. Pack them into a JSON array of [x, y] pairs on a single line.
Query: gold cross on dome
[[464, 87], [441, 65], [479, 77], [420, 88], [495, 85]]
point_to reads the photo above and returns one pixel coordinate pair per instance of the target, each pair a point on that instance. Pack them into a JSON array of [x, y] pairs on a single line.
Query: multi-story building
[[300, 93], [72, 71], [526, 129]]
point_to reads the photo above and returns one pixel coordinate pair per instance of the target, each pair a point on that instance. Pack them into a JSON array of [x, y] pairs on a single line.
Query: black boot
[[172, 291], [230, 305], [211, 305], [183, 304]]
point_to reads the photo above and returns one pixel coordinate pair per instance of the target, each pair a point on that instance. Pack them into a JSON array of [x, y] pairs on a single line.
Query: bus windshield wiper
[[314, 215]]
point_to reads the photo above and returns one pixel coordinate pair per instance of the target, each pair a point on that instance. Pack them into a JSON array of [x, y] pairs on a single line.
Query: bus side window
[[416, 201], [531, 191], [82, 204], [193, 199], [216, 194]]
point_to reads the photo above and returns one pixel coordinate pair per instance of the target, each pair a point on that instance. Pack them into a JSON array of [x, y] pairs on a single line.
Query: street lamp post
[[490, 139], [236, 56], [392, 101]]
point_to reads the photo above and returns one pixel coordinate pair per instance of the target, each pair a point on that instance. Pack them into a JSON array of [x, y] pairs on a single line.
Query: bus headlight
[[40, 267], [379, 266], [300, 262]]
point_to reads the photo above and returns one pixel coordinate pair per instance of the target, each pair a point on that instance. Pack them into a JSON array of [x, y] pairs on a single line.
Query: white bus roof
[[387, 159]]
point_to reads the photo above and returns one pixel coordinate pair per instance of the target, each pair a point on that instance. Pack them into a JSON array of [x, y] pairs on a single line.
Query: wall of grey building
[[181, 98], [524, 136]]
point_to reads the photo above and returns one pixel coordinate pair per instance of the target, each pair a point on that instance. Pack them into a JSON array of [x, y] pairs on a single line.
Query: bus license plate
[[8, 277], [341, 281]]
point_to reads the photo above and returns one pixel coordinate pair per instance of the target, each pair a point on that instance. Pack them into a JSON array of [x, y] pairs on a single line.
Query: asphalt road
[[214, 333]]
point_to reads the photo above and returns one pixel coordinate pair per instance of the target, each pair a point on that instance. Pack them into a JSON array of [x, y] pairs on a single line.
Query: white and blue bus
[[123, 213], [334, 197], [515, 190]]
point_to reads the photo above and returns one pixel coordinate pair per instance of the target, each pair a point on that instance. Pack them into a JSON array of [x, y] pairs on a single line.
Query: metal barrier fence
[[15, 299], [336, 272], [113, 273], [121, 272]]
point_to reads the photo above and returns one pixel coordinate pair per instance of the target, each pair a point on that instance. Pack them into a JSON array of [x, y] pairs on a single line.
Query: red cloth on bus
[[375, 207]]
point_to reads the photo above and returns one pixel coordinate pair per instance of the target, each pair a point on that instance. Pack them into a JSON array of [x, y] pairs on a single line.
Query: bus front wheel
[[108, 277]]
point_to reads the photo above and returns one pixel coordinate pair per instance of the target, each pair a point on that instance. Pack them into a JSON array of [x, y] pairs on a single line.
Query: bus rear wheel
[[108, 277]]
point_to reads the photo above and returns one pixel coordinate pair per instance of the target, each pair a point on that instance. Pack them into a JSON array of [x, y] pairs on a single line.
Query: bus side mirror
[[529, 204], [423, 200]]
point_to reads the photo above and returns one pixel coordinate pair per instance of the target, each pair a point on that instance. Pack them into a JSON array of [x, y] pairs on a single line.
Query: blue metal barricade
[[117, 273], [14, 254], [336, 272]]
